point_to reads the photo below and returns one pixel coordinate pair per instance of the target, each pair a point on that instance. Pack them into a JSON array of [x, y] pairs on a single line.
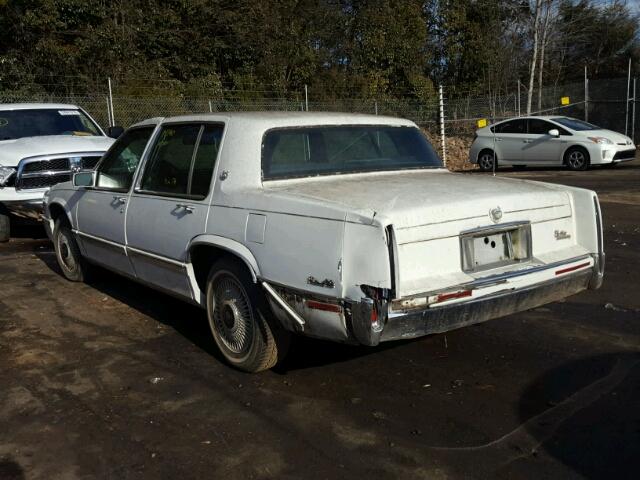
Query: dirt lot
[[113, 380]]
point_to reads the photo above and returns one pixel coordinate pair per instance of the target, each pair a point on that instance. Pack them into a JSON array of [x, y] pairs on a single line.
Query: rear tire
[[486, 159], [74, 267], [576, 159], [5, 227], [237, 311]]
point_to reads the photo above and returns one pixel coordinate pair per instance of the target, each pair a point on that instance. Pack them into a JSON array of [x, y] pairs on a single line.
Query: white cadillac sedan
[[337, 226], [548, 141]]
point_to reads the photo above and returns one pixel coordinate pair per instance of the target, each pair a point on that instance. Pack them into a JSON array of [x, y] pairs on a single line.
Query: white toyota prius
[[548, 141]]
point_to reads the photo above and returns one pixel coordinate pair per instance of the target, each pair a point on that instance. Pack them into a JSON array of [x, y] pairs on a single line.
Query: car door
[[101, 209], [540, 148], [170, 204], [509, 137]]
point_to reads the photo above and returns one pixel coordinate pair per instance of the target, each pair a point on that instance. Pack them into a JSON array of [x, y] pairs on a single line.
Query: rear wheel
[[5, 226], [237, 312], [486, 159], [73, 265], [576, 159]]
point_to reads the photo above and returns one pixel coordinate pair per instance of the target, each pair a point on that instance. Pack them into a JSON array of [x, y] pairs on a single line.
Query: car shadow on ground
[[191, 321], [10, 470], [585, 413]]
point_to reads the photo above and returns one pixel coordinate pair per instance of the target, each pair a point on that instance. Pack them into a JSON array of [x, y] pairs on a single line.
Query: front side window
[[539, 127], [333, 150], [119, 164], [182, 161], [16, 124], [575, 124]]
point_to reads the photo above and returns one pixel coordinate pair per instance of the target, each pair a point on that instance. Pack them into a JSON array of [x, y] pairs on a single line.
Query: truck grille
[[44, 172]]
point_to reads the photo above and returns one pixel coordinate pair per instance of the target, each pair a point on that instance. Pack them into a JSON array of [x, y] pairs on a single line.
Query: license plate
[[483, 249]]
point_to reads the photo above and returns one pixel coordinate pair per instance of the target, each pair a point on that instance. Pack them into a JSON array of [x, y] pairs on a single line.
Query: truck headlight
[[5, 174]]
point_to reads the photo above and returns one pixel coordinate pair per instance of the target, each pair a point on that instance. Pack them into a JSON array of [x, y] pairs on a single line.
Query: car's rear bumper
[[438, 319]]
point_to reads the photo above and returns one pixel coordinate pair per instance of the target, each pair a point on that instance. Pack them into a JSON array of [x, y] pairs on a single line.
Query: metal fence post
[[586, 95], [633, 113], [626, 114], [442, 134], [306, 97]]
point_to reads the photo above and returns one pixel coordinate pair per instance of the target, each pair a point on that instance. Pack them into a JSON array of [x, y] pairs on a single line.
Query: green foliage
[[377, 49]]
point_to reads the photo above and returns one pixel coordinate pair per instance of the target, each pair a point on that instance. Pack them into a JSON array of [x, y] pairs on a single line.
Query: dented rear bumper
[[439, 319]]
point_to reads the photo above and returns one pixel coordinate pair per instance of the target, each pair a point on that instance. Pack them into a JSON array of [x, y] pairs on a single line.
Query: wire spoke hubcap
[[232, 315], [66, 257]]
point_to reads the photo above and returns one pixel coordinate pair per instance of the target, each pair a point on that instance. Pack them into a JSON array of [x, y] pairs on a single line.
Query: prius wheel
[[236, 308], [73, 265], [576, 159], [486, 159]]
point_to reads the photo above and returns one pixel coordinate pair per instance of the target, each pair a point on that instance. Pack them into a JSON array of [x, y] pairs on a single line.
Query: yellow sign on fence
[[564, 101], [482, 123]]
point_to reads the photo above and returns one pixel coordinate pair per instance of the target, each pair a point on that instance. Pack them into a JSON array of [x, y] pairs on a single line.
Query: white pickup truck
[[339, 226], [41, 145]]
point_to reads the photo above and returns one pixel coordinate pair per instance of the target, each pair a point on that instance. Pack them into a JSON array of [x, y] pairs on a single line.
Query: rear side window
[[334, 150], [182, 160], [511, 126]]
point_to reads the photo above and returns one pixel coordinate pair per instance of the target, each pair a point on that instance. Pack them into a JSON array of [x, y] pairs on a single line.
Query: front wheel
[[576, 159], [237, 309], [74, 267]]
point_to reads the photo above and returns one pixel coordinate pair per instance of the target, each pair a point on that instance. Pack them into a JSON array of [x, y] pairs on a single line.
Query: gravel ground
[[113, 380]]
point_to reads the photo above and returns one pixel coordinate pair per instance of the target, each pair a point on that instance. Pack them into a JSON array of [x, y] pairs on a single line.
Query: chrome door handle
[[120, 200], [498, 139], [185, 207]]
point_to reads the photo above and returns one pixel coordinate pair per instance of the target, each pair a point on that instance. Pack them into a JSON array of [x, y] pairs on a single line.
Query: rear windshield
[[575, 124], [306, 152], [39, 122]]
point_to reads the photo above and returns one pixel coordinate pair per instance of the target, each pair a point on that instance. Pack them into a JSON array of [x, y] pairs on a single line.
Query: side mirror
[[115, 131], [84, 179], [554, 132]]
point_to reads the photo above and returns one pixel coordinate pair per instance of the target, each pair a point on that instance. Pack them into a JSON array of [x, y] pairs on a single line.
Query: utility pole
[[112, 120], [306, 97]]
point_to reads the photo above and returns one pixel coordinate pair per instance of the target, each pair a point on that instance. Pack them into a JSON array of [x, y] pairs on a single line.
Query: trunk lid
[[429, 209]]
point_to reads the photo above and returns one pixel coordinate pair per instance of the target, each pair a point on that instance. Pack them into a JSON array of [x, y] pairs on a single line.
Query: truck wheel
[[73, 265], [576, 159], [237, 310], [5, 227]]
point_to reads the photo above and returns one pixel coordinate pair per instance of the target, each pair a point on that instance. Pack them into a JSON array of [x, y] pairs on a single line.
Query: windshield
[[575, 124], [38, 122], [305, 152]]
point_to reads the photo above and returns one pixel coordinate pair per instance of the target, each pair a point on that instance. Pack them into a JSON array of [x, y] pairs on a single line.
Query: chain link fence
[[607, 103]]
